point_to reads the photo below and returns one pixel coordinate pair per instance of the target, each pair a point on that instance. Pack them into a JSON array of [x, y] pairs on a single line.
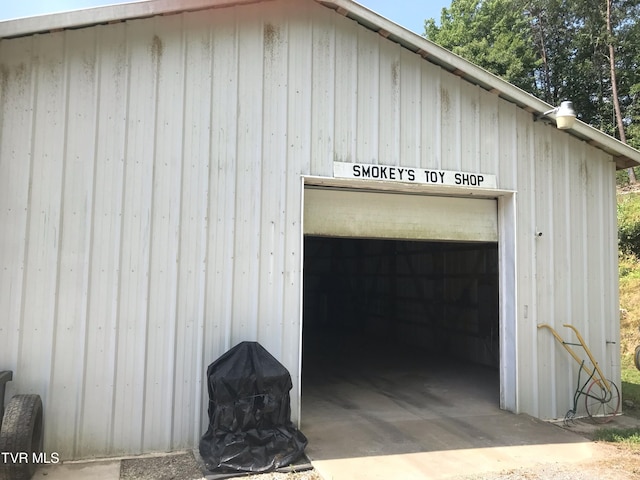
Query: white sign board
[[364, 171]]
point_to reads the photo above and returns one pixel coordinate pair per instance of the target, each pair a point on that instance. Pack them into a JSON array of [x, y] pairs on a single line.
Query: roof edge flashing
[[25, 26]]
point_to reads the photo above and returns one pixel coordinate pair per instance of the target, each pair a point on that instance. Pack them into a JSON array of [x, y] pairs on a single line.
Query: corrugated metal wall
[[150, 196]]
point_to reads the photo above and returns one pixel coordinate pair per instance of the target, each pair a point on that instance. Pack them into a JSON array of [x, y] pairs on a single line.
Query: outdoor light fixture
[[565, 115]]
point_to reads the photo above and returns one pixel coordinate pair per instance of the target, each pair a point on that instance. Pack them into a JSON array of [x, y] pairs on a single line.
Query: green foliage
[[628, 267], [629, 436], [631, 376], [490, 33], [629, 224], [555, 50]]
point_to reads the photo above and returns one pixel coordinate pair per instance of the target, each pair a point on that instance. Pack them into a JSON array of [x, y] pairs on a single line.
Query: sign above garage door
[[391, 173], [363, 214]]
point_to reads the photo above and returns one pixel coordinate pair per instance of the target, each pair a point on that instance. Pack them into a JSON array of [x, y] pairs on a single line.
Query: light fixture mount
[[565, 115]]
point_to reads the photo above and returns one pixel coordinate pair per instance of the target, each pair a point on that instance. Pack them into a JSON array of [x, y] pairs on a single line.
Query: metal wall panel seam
[[51, 394], [508, 126], [488, 125], [323, 91], [248, 179], [165, 233], [75, 238], [470, 129], [508, 302], [593, 330], [118, 313], [309, 136], [410, 147], [296, 408], [166, 222], [450, 112], [43, 267], [273, 172], [613, 283], [91, 152], [81, 409], [346, 98], [221, 225], [178, 387], [539, 386], [388, 99], [131, 363], [431, 115], [98, 387], [188, 406], [368, 95], [600, 321], [201, 395], [561, 247], [156, 49]]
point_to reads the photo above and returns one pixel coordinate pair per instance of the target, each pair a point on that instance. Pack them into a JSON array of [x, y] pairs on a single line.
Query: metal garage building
[[167, 169]]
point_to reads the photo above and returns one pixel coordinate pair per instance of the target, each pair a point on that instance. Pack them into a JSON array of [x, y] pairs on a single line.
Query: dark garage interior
[[441, 297], [396, 329]]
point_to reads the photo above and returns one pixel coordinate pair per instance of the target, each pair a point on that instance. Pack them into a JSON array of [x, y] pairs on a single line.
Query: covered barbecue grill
[[250, 428]]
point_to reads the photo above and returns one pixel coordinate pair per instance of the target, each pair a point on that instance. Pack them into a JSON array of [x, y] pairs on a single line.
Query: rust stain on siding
[[445, 100], [271, 35], [584, 172], [4, 82], [271, 40], [17, 78], [395, 73], [157, 48]]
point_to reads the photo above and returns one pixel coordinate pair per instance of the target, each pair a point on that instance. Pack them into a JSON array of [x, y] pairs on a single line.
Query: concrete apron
[[417, 423]]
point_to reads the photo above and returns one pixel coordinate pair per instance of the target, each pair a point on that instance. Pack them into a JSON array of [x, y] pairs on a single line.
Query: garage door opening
[[441, 297], [394, 330]]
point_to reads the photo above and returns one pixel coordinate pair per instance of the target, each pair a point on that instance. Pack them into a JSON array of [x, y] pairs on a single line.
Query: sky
[[407, 13]]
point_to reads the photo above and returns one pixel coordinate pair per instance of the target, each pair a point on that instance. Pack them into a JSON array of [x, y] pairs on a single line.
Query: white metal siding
[[151, 206]]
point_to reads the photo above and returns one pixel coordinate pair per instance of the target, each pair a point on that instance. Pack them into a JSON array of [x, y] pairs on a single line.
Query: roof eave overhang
[[623, 155]]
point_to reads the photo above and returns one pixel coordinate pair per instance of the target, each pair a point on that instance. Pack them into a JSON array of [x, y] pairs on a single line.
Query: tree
[[614, 84], [556, 50], [490, 33]]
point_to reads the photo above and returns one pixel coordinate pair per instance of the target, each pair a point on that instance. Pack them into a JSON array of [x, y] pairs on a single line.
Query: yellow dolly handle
[[575, 355]]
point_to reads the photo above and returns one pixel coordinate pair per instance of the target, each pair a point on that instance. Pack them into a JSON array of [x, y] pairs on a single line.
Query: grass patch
[[630, 386], [626, 436], [629, 371], [629, 270]]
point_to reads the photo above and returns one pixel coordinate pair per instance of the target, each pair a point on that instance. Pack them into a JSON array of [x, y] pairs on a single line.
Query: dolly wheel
[[21, 437], [602, 405]]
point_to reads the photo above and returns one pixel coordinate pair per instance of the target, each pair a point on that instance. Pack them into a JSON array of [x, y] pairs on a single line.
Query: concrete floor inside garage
[[400, 374], [388, 399], [387, 412]]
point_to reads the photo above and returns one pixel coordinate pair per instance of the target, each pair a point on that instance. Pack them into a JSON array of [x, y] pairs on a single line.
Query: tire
[[601, 405], [636, 357], [21, 434]]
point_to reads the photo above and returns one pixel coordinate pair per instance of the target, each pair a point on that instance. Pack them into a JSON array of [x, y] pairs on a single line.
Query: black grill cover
[[250, 428]]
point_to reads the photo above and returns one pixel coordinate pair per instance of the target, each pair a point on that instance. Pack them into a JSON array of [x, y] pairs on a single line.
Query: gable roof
[[624, 155]]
